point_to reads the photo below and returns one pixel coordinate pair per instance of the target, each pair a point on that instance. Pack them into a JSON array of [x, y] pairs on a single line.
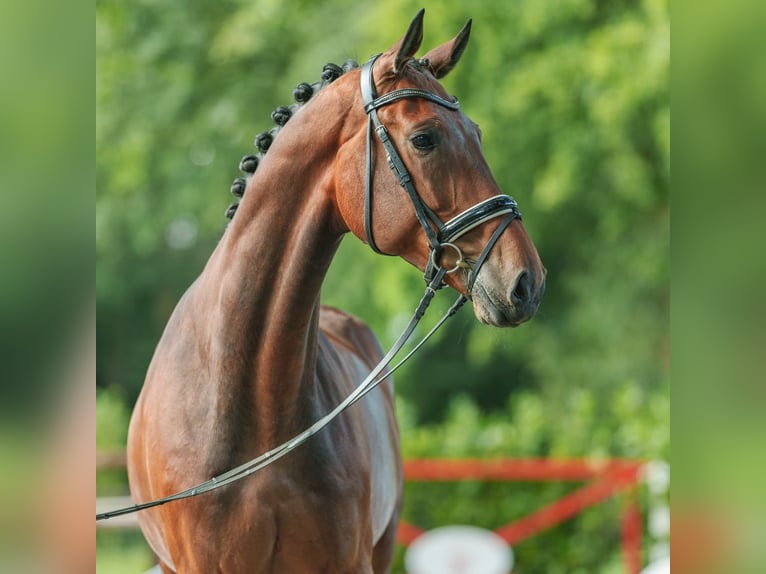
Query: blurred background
[[573, 100]]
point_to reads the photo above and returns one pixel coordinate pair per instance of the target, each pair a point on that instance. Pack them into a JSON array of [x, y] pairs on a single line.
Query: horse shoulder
[[351, 333]]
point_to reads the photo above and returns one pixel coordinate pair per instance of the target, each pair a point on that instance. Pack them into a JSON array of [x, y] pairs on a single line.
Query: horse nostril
[[521, 292]]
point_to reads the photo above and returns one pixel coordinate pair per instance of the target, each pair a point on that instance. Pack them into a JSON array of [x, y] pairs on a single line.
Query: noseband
[[440, 235]]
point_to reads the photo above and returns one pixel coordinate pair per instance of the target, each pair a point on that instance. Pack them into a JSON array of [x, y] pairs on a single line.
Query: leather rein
[[440, 236]]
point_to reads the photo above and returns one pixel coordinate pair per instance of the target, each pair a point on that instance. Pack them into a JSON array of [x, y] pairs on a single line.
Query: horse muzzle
[[508, 307]]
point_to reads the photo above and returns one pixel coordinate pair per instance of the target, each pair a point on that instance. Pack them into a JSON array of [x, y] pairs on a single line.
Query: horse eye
[[423, 142]]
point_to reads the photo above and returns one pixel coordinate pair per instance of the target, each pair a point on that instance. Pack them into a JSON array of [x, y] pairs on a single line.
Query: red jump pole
[[532, 469], [569, 505]]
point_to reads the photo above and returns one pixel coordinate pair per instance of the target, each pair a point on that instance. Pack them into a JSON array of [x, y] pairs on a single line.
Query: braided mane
[[302, 93]]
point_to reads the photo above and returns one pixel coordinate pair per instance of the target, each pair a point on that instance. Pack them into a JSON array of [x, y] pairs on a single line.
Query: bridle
[[442, 237]]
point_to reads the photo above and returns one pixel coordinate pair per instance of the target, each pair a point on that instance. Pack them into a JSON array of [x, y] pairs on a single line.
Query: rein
[[375, 377], [439, 239]]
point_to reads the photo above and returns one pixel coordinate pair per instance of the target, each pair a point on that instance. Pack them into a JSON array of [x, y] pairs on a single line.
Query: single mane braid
[[302, 93]]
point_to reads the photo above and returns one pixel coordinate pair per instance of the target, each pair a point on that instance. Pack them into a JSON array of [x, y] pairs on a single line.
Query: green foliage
[[111, 419], [572, 99], [112, 416], [122, 553]]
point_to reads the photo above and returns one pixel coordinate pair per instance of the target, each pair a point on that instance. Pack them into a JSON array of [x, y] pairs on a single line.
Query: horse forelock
[[302, 94]]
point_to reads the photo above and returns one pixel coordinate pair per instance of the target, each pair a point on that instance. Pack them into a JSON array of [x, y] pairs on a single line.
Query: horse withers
[[249, 358]]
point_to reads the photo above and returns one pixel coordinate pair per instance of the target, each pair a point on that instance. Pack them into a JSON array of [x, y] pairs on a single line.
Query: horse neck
[[263, 284]]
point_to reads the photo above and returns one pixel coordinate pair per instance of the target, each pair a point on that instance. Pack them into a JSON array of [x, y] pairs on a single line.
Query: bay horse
[[249, 358]]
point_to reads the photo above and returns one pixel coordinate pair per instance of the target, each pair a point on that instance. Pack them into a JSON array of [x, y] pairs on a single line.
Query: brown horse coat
[[249, 359]]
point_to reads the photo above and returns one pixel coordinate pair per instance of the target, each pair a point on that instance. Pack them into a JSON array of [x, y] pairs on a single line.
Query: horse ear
[[409, 44], [443, 58]]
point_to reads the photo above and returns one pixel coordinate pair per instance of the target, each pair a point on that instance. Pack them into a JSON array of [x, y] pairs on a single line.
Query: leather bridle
[[440, 235]]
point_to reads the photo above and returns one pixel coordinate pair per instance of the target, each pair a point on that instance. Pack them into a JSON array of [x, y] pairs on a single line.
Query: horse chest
[[283, 523]]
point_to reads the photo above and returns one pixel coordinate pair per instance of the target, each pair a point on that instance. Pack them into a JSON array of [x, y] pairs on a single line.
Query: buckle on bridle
[[460, 263]]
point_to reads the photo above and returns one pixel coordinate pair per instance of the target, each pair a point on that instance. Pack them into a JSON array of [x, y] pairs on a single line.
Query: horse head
[[483, 243]]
